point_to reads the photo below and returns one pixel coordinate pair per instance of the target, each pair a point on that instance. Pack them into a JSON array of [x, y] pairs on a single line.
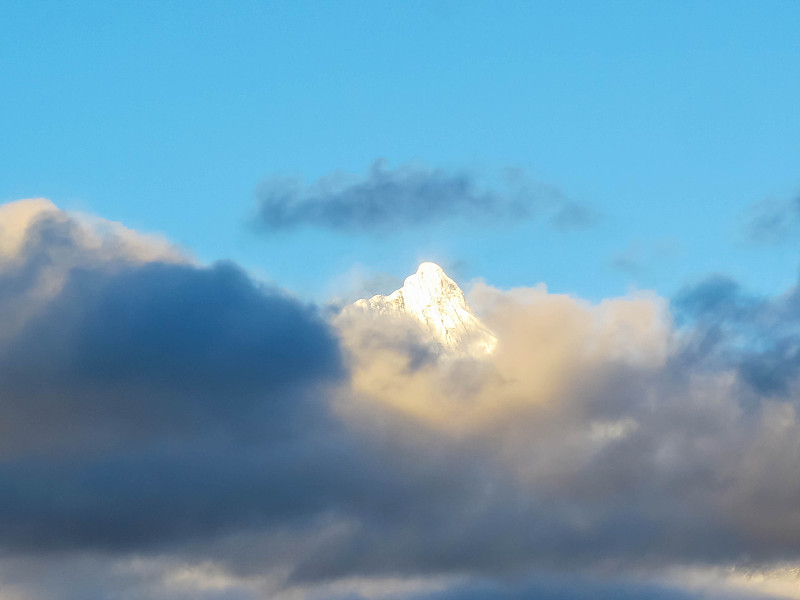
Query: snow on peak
[[436, 301]]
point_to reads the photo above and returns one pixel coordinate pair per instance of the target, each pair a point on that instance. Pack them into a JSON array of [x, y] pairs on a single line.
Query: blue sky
[[668, 119]]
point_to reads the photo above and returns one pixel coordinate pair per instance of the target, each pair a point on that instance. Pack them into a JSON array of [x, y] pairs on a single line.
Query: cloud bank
[[172, 430], [409, 196]]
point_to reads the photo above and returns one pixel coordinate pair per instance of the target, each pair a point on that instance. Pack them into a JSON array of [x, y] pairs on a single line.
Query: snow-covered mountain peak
[[436, 301], [430, 271]]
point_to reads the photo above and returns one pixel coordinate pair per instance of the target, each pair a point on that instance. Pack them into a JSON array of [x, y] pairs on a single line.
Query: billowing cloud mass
[[409, 196], [140, 391], [172, 430]]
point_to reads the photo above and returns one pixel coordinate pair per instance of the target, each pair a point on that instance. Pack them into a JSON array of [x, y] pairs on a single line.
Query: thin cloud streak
[[773, 222], [410, 196]]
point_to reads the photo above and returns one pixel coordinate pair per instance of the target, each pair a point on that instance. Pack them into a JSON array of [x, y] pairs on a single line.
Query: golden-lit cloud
[[549, 344]]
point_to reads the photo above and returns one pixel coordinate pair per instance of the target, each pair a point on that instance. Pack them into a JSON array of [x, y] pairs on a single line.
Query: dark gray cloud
[[759, 336], [153, 401], [150, 346], [385, 200], [159, 347]]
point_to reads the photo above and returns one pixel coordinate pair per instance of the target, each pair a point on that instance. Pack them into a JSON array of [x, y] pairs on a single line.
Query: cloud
[[572, 215], [773, 222], [640, 256], [596, 435], [187, 432], [760, 337], [409, 196], [147, 400]]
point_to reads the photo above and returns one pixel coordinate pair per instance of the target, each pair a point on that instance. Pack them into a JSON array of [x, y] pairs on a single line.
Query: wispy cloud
[[640, 255], [409, 196], [773, 222]]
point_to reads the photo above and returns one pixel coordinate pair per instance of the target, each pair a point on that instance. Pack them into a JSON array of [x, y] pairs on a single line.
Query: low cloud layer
[[409, 196], [181, 431]]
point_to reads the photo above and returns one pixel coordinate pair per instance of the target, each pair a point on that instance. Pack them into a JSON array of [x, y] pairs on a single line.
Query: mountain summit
[[436, 301]]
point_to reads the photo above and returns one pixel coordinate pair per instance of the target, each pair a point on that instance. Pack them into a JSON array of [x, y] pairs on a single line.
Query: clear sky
[[669, 120]]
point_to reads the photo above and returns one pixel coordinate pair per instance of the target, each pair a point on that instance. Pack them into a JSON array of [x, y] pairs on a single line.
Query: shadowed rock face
[[436, 301]]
